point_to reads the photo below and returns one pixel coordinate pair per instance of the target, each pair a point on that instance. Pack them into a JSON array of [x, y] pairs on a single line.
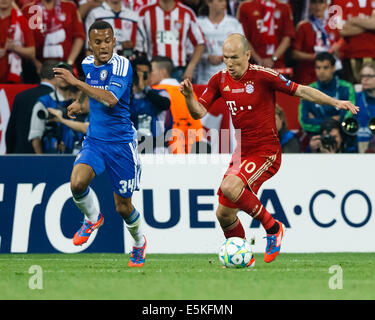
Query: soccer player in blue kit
[[110, 143]]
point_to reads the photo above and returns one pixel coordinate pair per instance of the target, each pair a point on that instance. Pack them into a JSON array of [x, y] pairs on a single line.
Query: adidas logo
[[226, 88]]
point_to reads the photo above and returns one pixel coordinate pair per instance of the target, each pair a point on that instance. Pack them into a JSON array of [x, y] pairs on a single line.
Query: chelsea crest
[[103, 75]]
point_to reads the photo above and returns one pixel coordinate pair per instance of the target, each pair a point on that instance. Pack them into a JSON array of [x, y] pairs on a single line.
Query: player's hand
[[66, 75], [57, 114], [74, 109], [347, 105], [186, 87]]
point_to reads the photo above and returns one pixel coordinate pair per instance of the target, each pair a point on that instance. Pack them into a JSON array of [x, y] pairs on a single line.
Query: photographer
[[80, 127], [47, 135], [366, 102], [331, 139], [151, 113]]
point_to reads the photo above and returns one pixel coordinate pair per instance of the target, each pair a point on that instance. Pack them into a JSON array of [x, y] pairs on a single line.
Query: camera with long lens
[[136, 78], [140, 59], [328, 141], [53, 129], [350, 126], [43, 114]]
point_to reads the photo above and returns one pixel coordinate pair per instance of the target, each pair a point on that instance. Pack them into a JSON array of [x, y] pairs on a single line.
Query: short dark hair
[[323, 56], [329, 124], [164, 63], [141, 59], [46, 71], [64, 65], [100, 25]]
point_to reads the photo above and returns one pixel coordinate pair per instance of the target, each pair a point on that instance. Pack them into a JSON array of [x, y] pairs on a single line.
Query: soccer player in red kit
[[249, 92]]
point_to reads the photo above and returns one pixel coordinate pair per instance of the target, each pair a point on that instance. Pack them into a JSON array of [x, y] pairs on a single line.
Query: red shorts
[[253, 170]]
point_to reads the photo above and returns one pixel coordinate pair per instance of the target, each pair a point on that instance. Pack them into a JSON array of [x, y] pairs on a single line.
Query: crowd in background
[[329, 45]]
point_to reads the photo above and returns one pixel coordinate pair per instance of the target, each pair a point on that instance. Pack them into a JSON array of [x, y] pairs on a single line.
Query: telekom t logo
[[233, 109]]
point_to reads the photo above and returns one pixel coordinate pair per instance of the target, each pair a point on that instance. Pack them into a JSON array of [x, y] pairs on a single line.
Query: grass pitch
[[186, 277]]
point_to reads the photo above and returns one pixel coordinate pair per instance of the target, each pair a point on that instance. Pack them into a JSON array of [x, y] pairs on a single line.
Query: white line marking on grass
[[88, 259]]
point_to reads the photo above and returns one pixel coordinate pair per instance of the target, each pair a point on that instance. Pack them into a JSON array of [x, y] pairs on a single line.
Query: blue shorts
[[119, 159]]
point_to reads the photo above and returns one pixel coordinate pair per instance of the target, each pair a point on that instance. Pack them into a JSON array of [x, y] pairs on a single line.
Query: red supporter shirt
[[168, 32], [137, 4], [27, 40], [251, 16], [307, 40], [251, 102], [362, 45], [61, 26]]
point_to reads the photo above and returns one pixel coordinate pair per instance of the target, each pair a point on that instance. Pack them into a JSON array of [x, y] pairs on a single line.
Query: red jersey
[[168, 32], [310, 40], [257, 25], [137, 4], [251, 102], [60, 26], [361, 45], [14, 27]]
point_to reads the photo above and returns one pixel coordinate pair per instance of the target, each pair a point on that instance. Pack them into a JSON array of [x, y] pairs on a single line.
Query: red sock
[[234, 230], [249, 203]]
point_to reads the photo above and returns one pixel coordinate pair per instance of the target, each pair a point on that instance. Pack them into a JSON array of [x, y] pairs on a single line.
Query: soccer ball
[[236, 253]]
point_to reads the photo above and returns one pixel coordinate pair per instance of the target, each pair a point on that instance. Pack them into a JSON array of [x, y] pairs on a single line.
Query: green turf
[[186, 276]]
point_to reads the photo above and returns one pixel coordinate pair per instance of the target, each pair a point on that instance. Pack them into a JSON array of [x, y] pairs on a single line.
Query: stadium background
[[178, 198]]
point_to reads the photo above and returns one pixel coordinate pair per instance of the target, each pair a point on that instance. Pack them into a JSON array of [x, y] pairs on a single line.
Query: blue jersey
[[110, 124]]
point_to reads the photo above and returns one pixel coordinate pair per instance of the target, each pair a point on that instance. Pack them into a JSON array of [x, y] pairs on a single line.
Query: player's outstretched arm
[[79, 106], [103, 96], [196, 109], [316, 96]]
